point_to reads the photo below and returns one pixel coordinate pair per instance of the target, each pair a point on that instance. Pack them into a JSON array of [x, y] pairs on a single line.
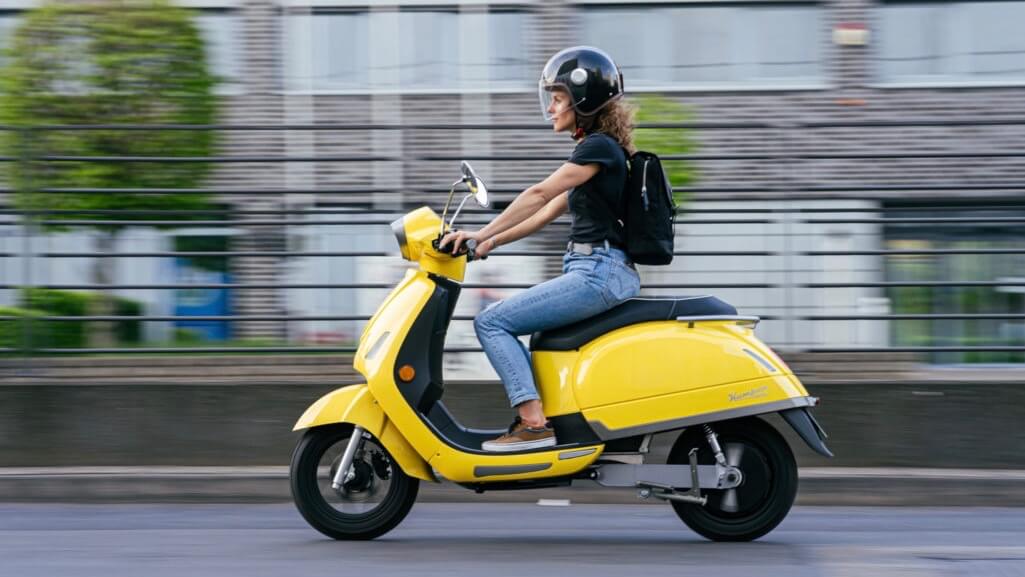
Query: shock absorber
[[713, 442]]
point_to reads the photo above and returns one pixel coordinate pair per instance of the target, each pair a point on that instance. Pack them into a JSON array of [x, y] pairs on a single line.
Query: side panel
[[553, 372], [677, 410], [355, 404], [652, 360]]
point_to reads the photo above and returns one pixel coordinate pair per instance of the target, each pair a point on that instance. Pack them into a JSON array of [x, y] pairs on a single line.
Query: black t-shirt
[[593, 204]]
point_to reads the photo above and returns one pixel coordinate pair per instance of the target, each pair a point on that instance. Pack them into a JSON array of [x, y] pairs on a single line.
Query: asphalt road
[[463, 539]]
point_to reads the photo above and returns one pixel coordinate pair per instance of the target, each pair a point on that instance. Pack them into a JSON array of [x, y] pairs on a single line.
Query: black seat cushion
[[633, 311]]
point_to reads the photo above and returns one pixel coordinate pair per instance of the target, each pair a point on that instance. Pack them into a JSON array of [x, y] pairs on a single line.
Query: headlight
[[398, 228]]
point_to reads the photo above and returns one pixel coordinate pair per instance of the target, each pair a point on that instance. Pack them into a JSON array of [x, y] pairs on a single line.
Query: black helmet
[[589, 75]]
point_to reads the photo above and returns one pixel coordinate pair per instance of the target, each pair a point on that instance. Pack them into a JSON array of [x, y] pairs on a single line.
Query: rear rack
[[741, 320]]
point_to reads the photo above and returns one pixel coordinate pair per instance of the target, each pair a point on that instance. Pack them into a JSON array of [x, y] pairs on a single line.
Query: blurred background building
[[859, 165]]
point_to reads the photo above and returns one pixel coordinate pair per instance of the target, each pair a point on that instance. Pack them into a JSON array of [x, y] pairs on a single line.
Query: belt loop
[[607, 244]]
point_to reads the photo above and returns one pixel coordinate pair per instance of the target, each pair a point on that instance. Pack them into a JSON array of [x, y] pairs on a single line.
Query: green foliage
[[204, 244], [106, 62], [652, 109], [72, 334], [13, 331]]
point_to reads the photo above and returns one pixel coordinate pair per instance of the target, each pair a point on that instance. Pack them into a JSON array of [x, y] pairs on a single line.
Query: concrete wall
[[242, 412]]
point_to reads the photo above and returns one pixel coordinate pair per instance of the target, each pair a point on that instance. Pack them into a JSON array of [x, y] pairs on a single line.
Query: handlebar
[[469, 249]]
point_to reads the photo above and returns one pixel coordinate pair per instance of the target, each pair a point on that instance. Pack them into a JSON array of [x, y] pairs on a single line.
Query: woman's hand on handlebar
[[457, 239]]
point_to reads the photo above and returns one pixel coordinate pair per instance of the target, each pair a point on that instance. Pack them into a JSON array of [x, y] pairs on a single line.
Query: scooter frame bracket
[[668, 493]]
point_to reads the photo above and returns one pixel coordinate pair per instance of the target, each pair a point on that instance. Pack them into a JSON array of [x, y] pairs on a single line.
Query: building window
[[993, 298], [408, 49], [951, 42], [220, 32], [697, 46]]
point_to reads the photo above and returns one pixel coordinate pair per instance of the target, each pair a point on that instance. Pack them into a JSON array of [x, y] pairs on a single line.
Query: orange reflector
[[406, 373]]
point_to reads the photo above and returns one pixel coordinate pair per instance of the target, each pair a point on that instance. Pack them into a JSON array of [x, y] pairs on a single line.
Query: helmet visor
[[551, 105]]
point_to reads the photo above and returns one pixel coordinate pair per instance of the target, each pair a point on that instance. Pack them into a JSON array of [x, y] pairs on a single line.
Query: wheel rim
[[368, 490], [753, 492]]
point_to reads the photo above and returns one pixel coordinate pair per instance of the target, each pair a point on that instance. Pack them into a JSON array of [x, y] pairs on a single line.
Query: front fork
[[344, 474]]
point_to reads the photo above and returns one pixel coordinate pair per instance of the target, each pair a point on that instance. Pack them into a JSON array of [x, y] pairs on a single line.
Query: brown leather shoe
[[521, 437]]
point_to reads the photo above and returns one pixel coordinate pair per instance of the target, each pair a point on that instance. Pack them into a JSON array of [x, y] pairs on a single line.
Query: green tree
[[105, 62], [656, 109]]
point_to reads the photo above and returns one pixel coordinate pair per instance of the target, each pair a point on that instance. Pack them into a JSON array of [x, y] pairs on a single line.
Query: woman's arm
[[551, 211], [528, 203]]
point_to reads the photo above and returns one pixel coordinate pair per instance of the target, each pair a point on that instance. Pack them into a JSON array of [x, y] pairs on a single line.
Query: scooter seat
[[631, 312]]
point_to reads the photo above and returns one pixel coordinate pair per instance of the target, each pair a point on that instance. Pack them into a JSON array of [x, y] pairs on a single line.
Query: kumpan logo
[[752, 394]]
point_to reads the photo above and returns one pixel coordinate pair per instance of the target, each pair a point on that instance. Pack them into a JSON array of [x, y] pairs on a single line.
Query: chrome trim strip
[[377, 345], [486, 471], [606, 434], [759, 358], [740, 319], [575, 454]]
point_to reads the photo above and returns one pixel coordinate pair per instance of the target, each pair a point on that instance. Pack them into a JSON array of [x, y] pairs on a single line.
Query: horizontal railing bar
[[924, 122], [352, 211], [503, 190], [192, 349], [227, 191], [928, 221], [892, 284], [923, 349], [216, 159], [293, 222], [899, 317], [246, 318], [268, 349], [321, 126], [301, 349], [395, 253], [922, 251], [359, 210], [518, 158], [562, 221], [88, 286]]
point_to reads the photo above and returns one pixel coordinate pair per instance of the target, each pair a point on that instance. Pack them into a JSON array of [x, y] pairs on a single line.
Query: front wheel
[[371, 503], [766, 492]]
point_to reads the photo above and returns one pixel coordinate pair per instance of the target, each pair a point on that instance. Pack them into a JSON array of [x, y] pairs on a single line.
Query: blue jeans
[[588, 286]]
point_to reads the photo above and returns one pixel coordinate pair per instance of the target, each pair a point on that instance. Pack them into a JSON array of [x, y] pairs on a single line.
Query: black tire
[[766, 493], [308, 478]]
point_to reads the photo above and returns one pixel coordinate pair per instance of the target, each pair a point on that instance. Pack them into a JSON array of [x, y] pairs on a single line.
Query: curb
[[839, 486]]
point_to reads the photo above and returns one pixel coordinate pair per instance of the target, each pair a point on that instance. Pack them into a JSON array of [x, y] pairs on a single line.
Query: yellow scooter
[[607, 384]]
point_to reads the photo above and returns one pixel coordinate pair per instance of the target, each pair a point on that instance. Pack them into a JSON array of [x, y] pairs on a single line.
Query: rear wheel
[[369, 505], [765, 494]]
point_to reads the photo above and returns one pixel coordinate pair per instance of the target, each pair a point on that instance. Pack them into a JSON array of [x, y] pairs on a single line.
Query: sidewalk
[[819, 486]]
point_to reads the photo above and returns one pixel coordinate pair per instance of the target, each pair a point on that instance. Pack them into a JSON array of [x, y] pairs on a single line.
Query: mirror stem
[[451, 193], [456, 214]]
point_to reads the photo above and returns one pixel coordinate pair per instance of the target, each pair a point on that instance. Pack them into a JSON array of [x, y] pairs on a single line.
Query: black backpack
[[648, 211]]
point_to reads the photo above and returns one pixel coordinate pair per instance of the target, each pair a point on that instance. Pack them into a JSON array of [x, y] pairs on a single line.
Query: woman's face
[[564, 118]]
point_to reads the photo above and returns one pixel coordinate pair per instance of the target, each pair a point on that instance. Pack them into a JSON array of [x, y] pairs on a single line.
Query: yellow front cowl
[[422, 227]]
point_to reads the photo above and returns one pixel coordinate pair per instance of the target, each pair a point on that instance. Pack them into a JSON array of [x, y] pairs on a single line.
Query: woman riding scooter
[[581, 93]]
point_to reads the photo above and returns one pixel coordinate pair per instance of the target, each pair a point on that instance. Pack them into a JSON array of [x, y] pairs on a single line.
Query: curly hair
[[616, 120]]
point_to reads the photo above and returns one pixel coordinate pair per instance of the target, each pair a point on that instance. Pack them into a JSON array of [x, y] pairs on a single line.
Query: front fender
[[356, 405]]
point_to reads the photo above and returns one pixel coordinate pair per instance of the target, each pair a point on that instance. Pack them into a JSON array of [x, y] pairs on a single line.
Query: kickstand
[[695, 484]]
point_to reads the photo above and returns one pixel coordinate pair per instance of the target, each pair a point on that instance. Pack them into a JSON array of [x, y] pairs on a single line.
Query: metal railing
[[787, 218]]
